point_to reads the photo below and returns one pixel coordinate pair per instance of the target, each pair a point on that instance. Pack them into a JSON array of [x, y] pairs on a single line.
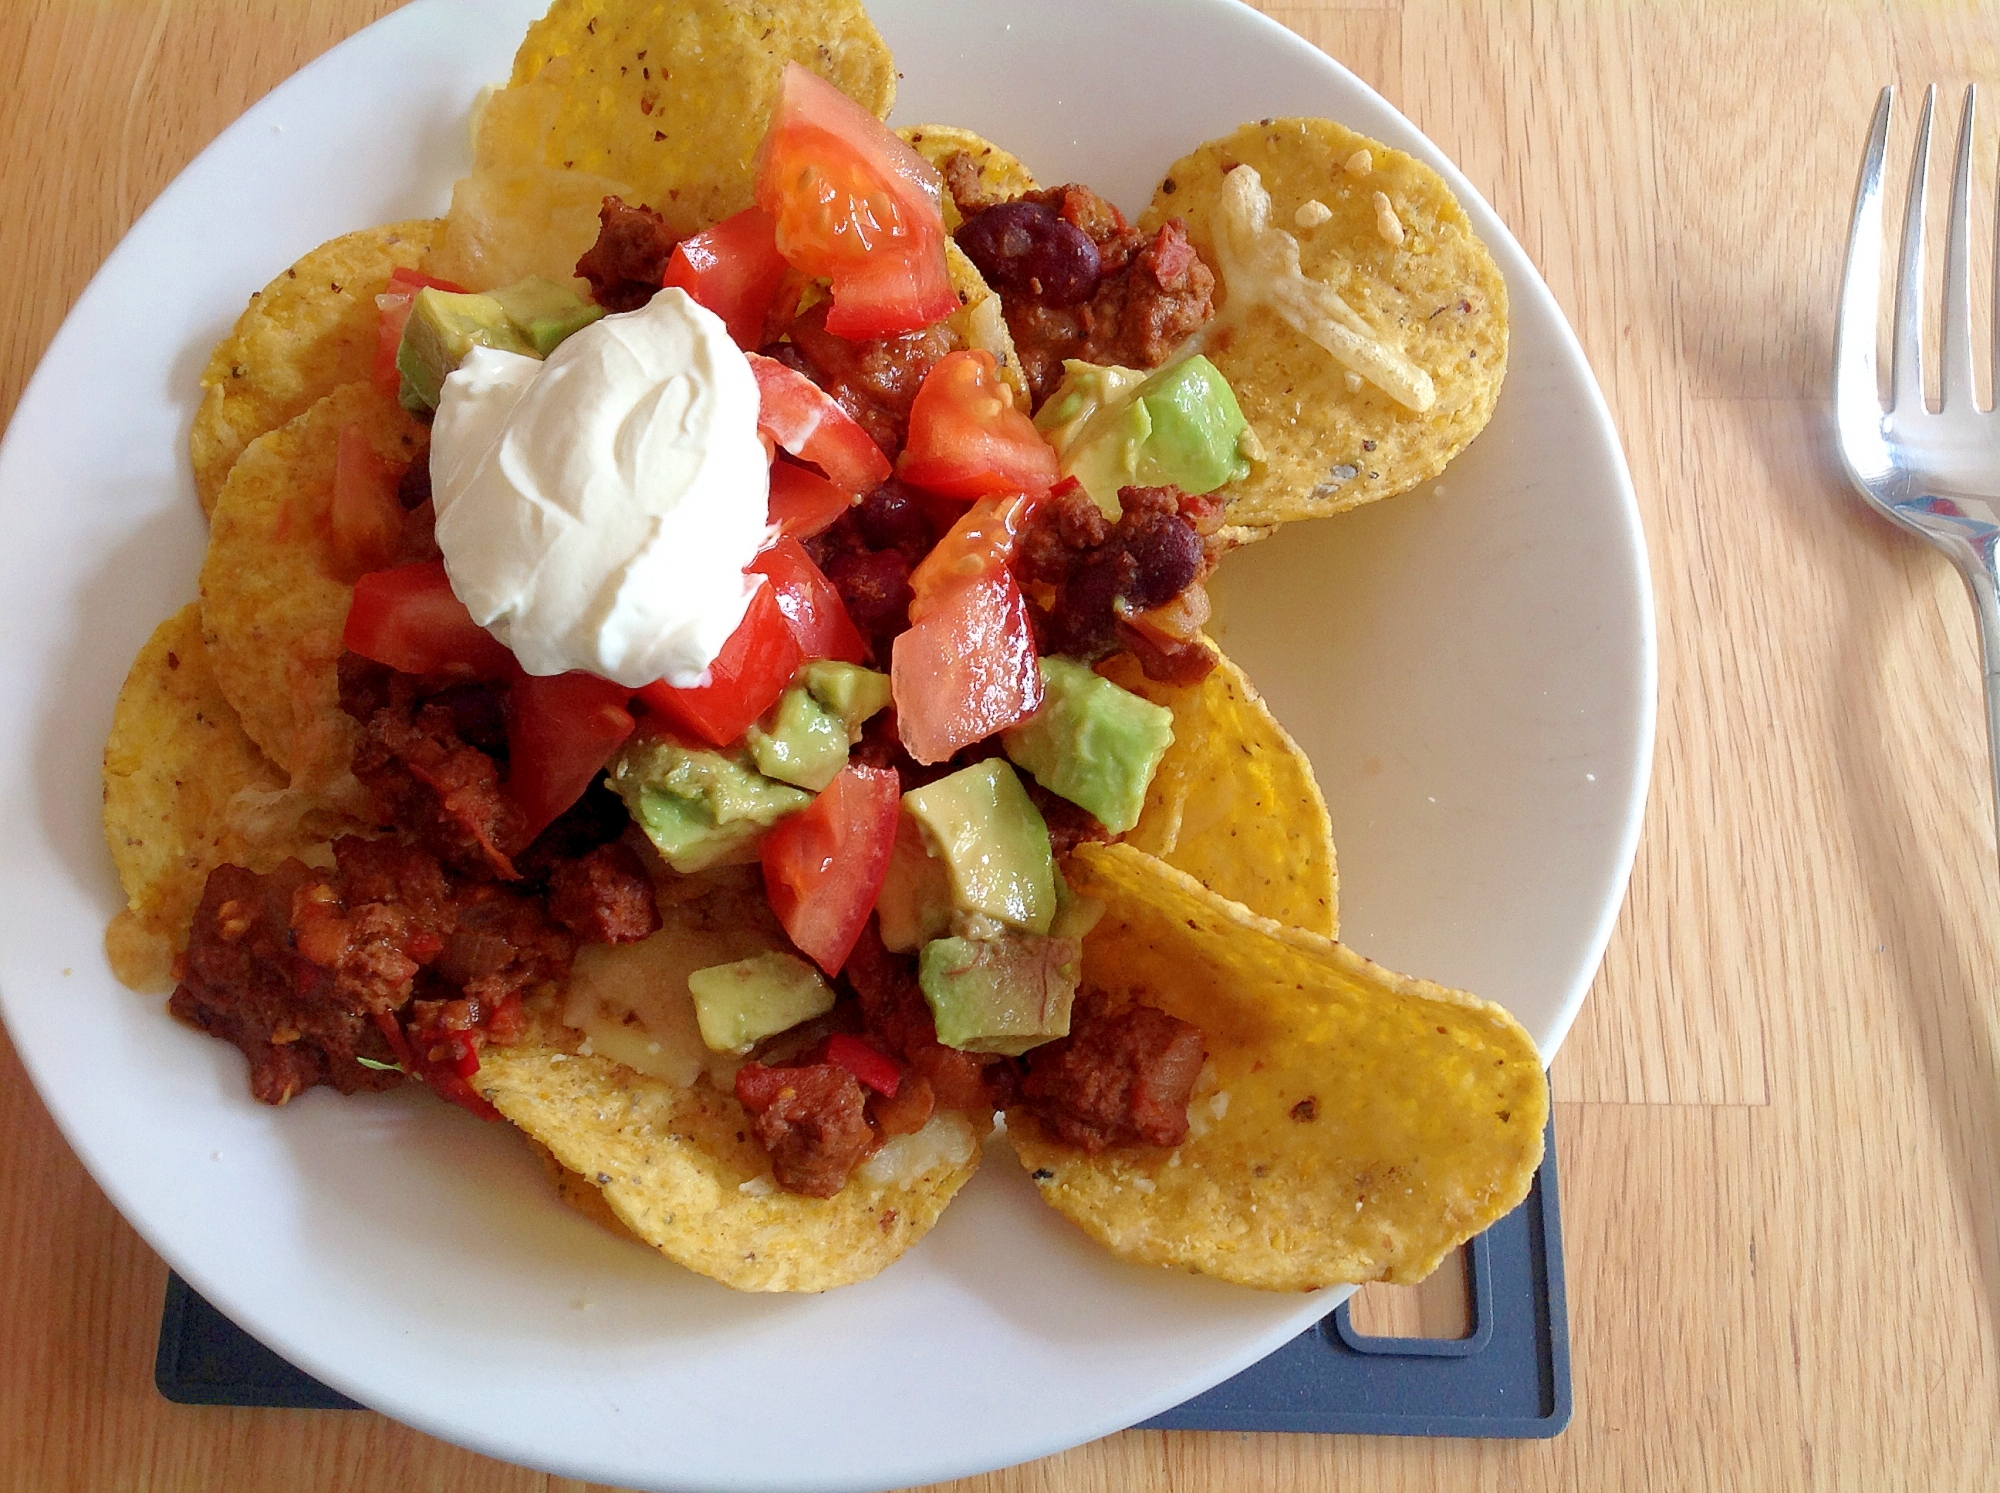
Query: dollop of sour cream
[[596, 510]]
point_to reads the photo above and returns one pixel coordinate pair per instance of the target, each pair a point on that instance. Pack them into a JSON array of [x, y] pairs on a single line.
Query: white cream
[[596, 510]]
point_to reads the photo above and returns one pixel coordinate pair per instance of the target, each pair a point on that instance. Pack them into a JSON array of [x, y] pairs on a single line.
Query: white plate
[[1472, 674]]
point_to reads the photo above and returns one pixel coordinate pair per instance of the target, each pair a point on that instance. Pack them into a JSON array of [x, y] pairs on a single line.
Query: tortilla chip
[[672, 96], [1001, 178], [1234, 802], [675, 1162], [272, 606], [1437, 296], [307, 332], [679, 1168], [186, 791], [1353, 1124], [980, 321]]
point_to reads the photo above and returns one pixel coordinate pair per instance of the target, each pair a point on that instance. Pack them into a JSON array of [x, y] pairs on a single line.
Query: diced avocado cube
[[1004, 994], [848, 690], [1093, 743], [742, 1003], [545, 313], [1115, 427], [799, 741], [699, 807], [993, 841], [914, 905], [1196, 426], [444, 327]]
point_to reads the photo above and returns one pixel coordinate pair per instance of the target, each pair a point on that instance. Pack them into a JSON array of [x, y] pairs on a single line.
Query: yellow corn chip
[[672, 96], [185, 791], [272, 606], [988, 173], [679, 1169], [1383, 232], [1352, 1124], [1234, 802], [307, 332]]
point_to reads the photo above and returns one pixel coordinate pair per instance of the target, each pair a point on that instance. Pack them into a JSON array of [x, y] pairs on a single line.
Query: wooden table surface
[[1779, 1114]]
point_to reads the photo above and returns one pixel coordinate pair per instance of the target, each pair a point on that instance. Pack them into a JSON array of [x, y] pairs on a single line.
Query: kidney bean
[[1026, 246]]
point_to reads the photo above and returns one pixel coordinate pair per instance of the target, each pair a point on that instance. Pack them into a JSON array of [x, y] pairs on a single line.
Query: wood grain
[[1780, 1123]]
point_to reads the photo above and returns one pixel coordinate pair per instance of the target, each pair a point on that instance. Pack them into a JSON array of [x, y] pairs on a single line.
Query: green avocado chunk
[[848, 690], [1095, 744], [444, 327], [1115, 427], [914, 905], [994, 844], [799, 741], [699, 807], [544, 312], [741, 1003], [1004, 994]]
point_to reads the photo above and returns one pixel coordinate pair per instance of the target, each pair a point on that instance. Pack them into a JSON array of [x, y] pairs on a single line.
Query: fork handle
[[1984, 585]]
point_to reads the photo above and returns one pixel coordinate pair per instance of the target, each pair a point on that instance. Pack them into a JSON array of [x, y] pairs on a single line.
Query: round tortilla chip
[[307, 332], [997, 175], [186, 791], [1437, 296], [1234, 802], [1352, 1124], [272, 604], [679, 1169], [672, 96]]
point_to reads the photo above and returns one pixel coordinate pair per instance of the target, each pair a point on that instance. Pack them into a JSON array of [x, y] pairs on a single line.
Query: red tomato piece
[[803, 418], [745, 680], [804, 503], [410, 619], [967, 669], [976, 547], [866, 1062], [561, 730], [967, 437], [856, 205], [811, 603], [366, 515], [823, 866], [733, 269], [394, 303]]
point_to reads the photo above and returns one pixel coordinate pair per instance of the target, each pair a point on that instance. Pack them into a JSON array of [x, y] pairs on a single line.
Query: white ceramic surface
[[1471, 670]]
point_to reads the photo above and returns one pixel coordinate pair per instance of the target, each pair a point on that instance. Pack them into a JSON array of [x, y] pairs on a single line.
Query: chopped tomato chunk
[[967, 436], [561, 730], [967, 666], [803, 418], [410, 619], [733, 269], [753, 669], [394, 303], [366, 516], [856, 205], [823, 866], [866, 1062], [811, 603], [804, 503]]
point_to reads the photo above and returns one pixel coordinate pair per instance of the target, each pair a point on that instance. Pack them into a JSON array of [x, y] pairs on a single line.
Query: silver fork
[[1935, 474]]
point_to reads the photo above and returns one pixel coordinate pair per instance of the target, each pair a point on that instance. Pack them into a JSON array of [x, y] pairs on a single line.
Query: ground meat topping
[[812, 1120], [874, 379], [443, 792], [1121, 1077], [1148, 292], [604, 896], [1096, 586], [629, 260], [242, 980], [868, 554]]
